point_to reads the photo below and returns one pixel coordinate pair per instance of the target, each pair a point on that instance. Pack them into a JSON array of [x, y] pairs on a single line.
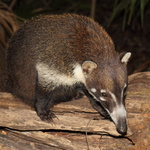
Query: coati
[[53, 58]]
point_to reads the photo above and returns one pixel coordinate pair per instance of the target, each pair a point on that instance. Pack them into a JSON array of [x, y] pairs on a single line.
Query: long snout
[[119, 118]]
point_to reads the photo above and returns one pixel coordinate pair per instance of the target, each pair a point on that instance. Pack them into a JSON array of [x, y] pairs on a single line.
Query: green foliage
[[131, 9]]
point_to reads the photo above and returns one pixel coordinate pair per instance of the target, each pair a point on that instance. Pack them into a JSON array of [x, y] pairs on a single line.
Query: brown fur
[[60, 42], [62, 33]]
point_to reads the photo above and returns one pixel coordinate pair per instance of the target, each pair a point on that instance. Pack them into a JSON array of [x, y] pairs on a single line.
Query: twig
[[13, 2], [143, 66], [87, 135], [93, 6]]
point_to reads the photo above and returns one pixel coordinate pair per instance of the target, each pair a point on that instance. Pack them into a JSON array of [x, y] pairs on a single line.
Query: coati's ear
[[88, 67], [124, 57]]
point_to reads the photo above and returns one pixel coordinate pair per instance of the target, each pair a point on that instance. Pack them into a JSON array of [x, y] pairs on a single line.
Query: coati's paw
[[47, 116]]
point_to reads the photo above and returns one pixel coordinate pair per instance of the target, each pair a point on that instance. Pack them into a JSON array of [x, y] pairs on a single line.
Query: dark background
[[135, 37]]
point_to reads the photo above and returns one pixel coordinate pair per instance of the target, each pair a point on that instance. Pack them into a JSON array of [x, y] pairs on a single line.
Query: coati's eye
[[104, 94]]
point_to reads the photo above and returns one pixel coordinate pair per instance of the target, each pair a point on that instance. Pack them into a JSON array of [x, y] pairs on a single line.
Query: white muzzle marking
[[118, 112]]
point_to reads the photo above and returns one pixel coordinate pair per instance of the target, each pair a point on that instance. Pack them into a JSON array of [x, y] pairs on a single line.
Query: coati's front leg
[[43, 103]]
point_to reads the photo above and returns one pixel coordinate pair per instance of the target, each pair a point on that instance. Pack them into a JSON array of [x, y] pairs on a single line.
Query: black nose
[[122, 130], [122, 127]]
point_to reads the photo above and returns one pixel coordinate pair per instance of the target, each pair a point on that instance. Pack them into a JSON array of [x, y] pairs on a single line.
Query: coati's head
[[107, 84]]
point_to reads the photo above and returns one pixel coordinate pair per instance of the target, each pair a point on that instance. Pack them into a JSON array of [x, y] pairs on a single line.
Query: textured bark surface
[[78, 125]]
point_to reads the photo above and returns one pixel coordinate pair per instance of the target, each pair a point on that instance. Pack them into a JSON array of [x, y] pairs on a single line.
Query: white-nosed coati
[[53, 58]]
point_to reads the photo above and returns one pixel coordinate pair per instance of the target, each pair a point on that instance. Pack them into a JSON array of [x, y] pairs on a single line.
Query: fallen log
[[78, 125]]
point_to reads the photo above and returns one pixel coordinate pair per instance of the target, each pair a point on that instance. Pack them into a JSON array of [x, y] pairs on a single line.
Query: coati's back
[[58, 41]]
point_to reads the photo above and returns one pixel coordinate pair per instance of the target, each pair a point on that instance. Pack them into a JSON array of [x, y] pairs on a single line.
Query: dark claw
[[47, 116]]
